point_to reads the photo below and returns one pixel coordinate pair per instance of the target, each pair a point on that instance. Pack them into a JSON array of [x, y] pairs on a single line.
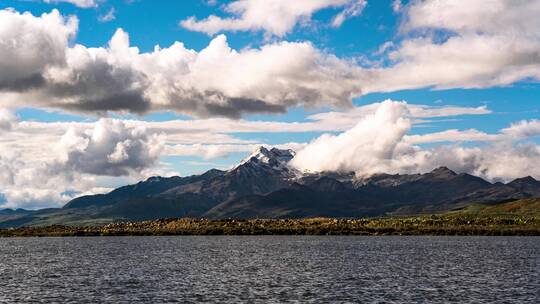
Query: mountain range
[[264, 186]]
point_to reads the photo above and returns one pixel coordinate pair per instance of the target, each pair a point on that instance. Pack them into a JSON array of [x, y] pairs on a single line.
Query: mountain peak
[[154, 179], [261, 150], [271, 157], [443, 172], [524, 181]]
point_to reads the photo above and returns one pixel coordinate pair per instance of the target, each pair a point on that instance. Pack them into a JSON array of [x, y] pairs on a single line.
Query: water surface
[[267, 269]]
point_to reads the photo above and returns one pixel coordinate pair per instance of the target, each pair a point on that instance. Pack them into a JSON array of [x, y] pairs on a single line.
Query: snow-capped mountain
[[267, 161], [274, 158]]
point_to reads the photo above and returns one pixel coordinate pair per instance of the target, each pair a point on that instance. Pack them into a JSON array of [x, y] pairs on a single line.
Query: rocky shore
[[416, 225]]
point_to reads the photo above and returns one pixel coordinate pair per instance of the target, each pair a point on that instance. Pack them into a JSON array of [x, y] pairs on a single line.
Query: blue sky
[[383, 50], [150, 23]]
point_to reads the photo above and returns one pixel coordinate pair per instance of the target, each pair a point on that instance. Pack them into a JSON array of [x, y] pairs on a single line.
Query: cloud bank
[[47, 169], [43, 67], [476, 44], [217, 81], [379, 144]]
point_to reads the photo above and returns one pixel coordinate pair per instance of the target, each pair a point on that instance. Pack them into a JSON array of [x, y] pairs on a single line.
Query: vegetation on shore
[[514, 218], [417, 225]]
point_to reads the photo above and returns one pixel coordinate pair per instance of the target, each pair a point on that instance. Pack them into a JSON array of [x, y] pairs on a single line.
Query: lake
[[271, 269]]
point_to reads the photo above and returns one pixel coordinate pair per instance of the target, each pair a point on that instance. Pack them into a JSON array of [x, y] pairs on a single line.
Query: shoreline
[[500, 225]]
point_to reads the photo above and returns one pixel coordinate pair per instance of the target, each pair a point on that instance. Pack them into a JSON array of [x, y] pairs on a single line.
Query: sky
[[96, 94]]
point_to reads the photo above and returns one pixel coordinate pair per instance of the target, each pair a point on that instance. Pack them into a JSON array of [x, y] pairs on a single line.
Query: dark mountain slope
[[520, 188], [297, 201], [437, 191], [152, 186]]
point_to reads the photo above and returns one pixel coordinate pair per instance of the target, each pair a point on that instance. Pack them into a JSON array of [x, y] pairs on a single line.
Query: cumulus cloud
[[523, 129], [217, 81], [29, 45], [442, 43], [28, 184], [221, 81], [79, 3], [379, 144], [370, 145], [277, 17], [473, 45], [109, 149], [44, 166]]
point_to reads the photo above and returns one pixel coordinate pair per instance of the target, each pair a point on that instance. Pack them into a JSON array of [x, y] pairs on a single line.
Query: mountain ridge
[[263, 185]]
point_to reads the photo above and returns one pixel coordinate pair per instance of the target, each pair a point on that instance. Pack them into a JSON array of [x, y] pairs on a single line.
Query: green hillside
[[524, 207]]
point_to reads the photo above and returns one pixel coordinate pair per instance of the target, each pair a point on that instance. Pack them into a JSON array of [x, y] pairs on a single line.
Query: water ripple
[[270, 269]]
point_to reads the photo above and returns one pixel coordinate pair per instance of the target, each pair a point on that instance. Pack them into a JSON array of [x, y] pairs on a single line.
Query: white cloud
[[110, 148], [217, 81], [383, 48], [483, 44], [209, 151], [477, 16], [29, 45], [471, 61], [47, 166], [7, 120], [220, 81], [452, 136], [379, 144], [369, 146], [348, 119], [352, 10], [523, 129], [215, 131], [79, 3], [27, 183], [277, 17], [109, 16]]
